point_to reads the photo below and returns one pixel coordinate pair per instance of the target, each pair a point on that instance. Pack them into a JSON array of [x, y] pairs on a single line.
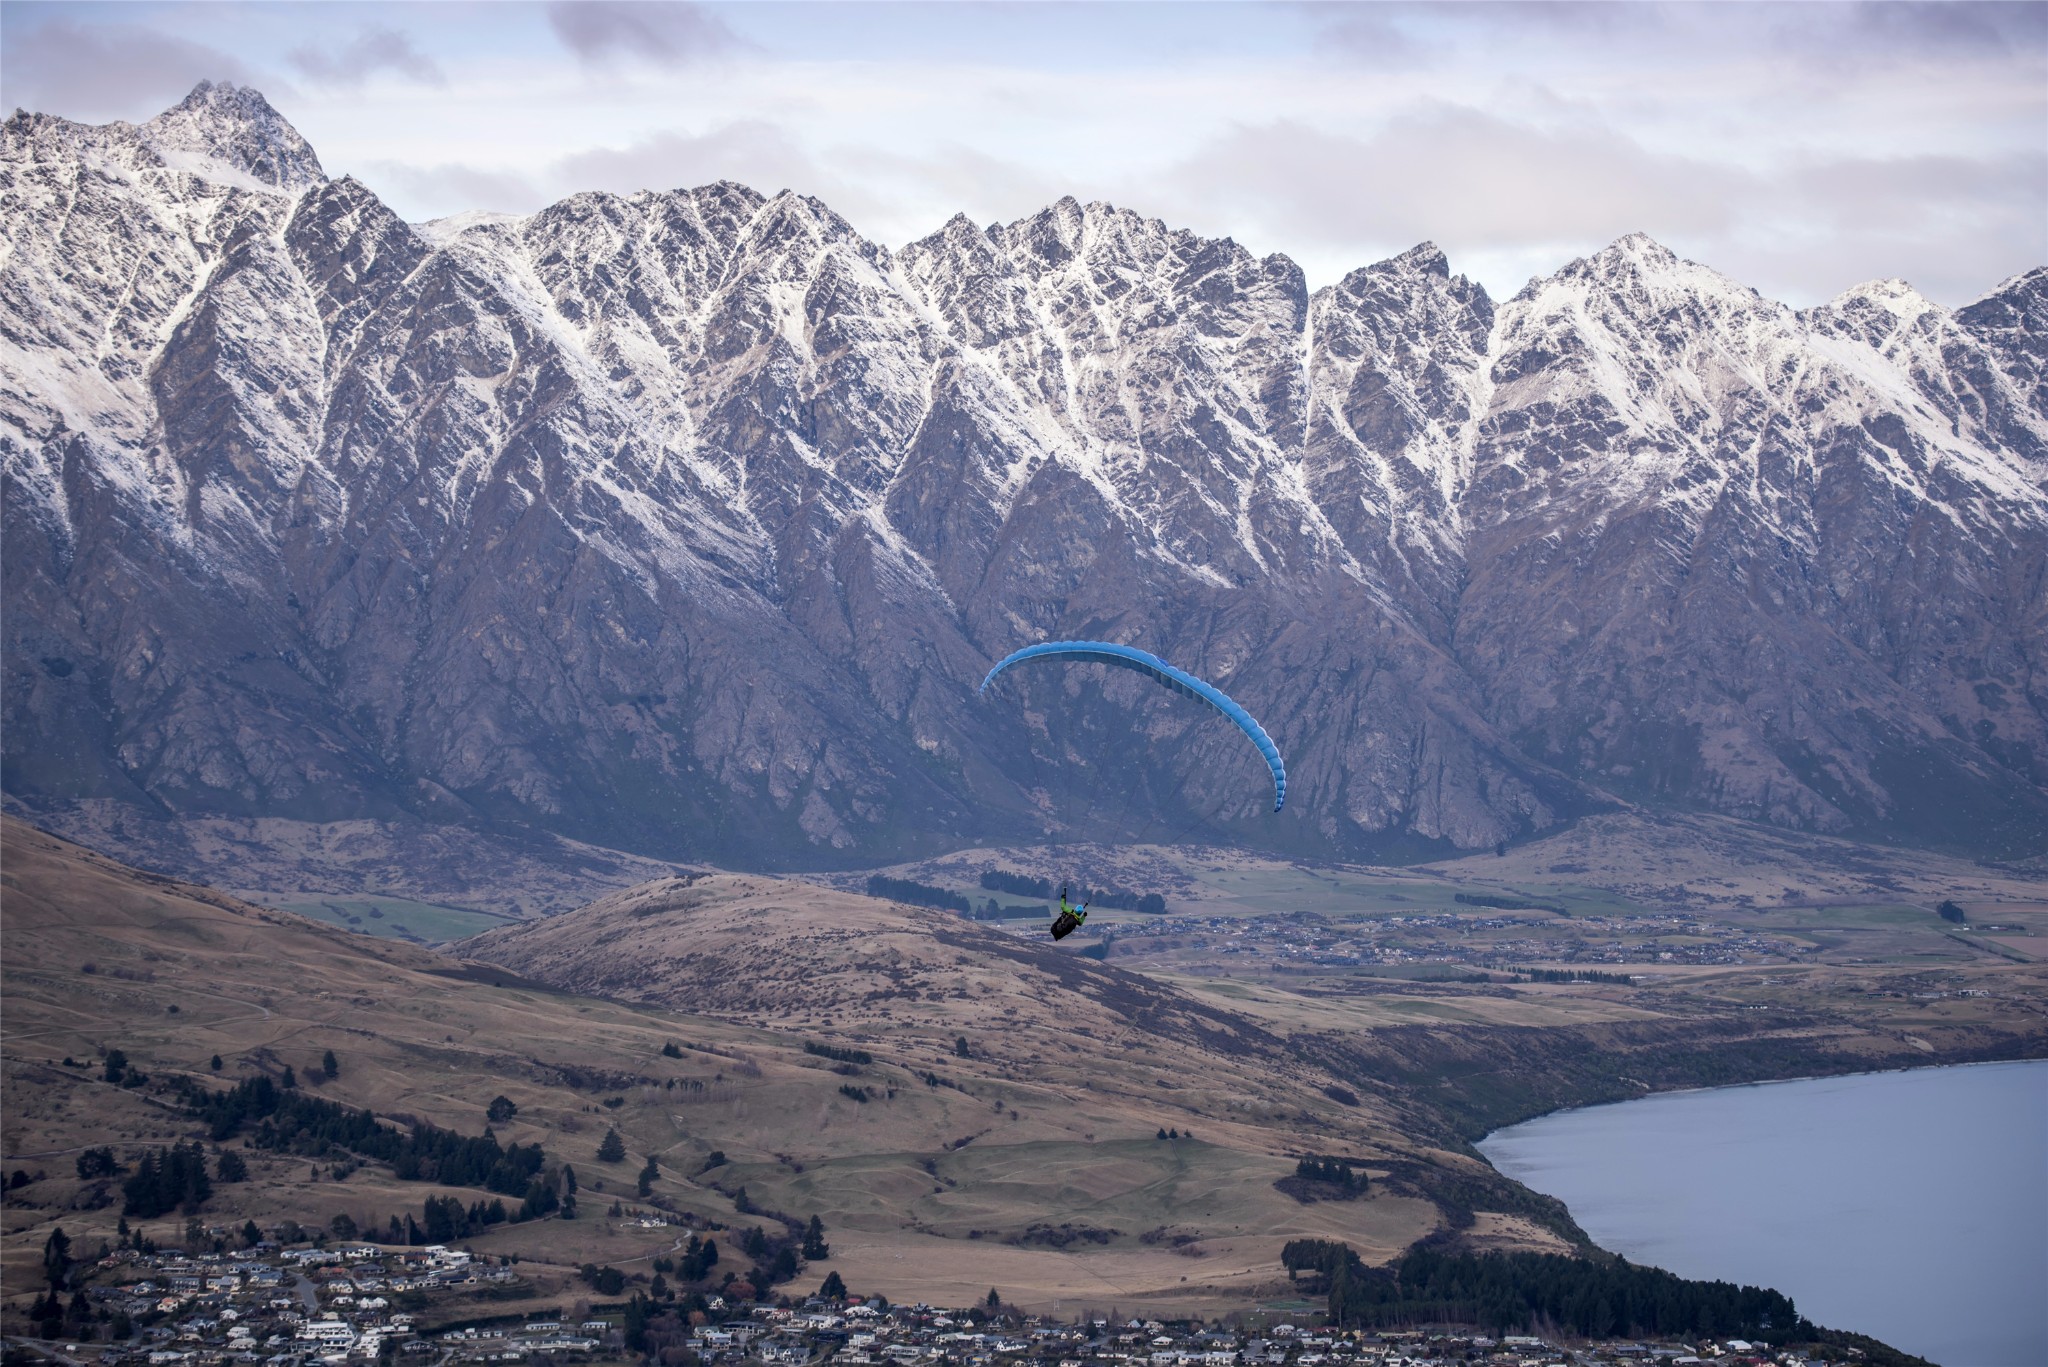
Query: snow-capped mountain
[[689, 521]]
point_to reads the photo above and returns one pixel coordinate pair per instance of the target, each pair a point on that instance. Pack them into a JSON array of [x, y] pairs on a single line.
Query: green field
[[397, 918]]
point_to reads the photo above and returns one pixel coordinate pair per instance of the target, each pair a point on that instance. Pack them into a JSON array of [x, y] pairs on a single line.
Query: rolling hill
[[953, 1173]]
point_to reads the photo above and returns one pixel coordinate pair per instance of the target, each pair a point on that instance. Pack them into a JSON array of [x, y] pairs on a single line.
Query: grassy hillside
[[933, 1188]]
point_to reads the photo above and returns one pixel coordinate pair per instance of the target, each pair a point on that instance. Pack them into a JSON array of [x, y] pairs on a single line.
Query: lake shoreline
[[1796, 1187], [1765, 1082]]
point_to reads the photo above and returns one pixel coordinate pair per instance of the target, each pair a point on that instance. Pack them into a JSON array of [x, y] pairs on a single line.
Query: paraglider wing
[[1158, 670]]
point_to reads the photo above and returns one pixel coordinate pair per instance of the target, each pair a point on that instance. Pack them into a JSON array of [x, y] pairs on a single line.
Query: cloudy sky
[[1801, 148]]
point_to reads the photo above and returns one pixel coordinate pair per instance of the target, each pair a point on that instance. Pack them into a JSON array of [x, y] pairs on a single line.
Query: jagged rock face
[[688, 522], [1720, 551]]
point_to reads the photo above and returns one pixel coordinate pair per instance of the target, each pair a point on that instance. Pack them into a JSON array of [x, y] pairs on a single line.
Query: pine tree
[[57, 1256], [834, 1287], [330, 1066], [216, 1063], [613, 1149], [815, 1247], [649, 1175]]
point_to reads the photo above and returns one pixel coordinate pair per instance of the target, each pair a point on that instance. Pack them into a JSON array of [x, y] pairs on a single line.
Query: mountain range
[[687, 523]]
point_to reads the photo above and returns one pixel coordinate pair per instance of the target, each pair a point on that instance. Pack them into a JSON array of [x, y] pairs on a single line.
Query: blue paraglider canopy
[[1158, 670]]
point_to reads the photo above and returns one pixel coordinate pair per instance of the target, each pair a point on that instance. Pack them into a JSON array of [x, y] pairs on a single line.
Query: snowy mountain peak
[[1643, 247], [2027, 286], [1893, 295], [1426, 257], [234, 127], [1638, 257]]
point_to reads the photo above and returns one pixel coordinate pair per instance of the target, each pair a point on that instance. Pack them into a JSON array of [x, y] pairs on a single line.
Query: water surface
[[1911, 1206]]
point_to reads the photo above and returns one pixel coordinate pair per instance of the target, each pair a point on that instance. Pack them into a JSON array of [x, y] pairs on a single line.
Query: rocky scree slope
[[686, 522]]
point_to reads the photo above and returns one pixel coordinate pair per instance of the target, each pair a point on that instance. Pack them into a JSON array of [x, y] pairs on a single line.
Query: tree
[[1949, 911], [215, 1065], [97, 1163], [330, 1066], [500, 1110], [833, 1288], [166, 1179], [568, 1180], [649, 1175], [57, 1257], [290, 1079], [815, 1247], [251, 1236], [116, 1065], [613, 1149], [230, 1167], [344, 1226], [669, 1050], [960, 1047], [994, 1301], [699, 1256]]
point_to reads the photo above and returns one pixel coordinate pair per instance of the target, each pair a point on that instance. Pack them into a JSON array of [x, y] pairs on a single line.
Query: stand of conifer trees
[[166, 1179], [284, 1121], [1504, 1291]]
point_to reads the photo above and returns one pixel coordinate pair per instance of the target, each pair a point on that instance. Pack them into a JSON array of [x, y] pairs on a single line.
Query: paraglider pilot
[[1072, 916]]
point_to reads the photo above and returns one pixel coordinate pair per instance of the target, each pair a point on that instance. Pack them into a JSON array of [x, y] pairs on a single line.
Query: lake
[[1911, 1206]]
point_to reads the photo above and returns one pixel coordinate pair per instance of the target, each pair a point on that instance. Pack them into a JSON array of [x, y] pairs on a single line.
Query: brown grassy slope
[[1070, 1061], [1073, 1068]]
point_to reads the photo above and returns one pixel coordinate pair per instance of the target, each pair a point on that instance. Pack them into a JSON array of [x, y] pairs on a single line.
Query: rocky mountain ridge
[[686, 522]]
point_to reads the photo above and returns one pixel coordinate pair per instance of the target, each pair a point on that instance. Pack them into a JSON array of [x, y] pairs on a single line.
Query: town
[[363, 1303]]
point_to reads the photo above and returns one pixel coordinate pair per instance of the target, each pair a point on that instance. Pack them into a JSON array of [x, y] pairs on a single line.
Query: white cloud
[[1507, 200], [656, 31], [372, 51], [104, 71]]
